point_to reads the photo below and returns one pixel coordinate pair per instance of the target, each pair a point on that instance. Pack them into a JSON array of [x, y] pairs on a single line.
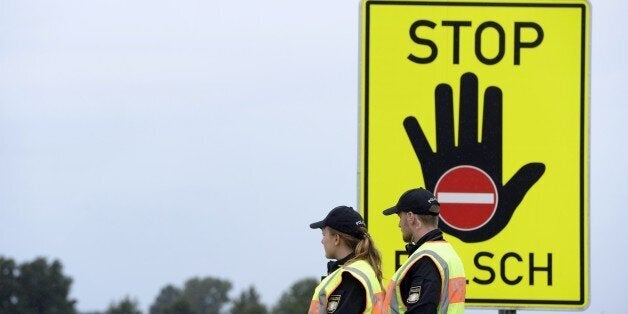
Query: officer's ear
[[414, 219], [411, 217]]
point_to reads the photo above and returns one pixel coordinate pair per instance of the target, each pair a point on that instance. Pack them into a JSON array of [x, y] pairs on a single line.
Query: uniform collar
[[333, 265], [433, 235]]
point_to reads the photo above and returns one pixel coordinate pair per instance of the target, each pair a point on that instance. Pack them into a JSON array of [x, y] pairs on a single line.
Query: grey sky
[[146, 142]]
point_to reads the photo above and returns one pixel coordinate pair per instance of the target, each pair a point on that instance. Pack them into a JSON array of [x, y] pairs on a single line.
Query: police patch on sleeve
[[332, 304], [414, 295]]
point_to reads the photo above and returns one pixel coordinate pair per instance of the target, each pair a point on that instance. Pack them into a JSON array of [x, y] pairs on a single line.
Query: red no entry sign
[[467, 196]]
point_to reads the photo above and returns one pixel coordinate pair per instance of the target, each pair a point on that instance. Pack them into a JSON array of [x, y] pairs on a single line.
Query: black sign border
[[583, 57]]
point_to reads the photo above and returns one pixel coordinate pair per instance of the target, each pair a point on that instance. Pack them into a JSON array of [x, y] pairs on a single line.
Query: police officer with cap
[[353, 283], [432, 280]]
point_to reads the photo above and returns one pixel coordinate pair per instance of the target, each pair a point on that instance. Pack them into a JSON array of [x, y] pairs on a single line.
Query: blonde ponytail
[[364, 249]]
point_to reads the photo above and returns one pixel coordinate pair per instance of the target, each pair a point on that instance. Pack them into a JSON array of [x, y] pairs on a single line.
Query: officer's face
[[329, 242], [404, 226]]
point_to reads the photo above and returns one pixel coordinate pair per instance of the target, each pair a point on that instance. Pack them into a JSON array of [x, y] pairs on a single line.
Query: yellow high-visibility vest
[[453, 287], [364, 273]]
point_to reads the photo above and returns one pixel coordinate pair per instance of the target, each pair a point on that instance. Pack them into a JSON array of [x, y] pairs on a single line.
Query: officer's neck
[[420, 233], [342, 252], [333, 265], [344, 260]]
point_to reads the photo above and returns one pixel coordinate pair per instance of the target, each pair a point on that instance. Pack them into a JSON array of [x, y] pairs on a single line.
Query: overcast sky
[[146, 142]]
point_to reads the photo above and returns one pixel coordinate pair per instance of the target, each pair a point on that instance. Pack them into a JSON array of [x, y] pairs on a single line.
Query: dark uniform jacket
[[422, 278], [350, 294]]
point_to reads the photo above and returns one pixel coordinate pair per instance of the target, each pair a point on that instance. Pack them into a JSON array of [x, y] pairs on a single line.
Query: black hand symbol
[[486, 155]]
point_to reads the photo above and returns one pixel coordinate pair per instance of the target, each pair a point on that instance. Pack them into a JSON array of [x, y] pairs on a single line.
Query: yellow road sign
[[487, 105]]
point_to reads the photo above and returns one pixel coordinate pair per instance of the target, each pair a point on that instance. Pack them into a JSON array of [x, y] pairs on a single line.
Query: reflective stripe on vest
[[363, 272], [451, 270]]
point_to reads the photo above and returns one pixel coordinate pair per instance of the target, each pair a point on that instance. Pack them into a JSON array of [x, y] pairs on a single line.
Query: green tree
[[125, 306], [199, 296], [207, 295], [297, 298], [167, 296], [8, 286], [248, 303], [179, 306], [34, 287]]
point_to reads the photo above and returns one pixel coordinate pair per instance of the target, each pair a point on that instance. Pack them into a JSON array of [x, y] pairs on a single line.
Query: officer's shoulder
[[349, 277], [349, 280], [424, 263]]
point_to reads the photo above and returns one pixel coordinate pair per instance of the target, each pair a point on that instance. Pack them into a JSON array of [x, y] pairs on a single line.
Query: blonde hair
[[364, 249]]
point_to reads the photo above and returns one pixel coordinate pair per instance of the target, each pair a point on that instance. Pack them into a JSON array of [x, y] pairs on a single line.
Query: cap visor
[[317, 225], [390, 211]]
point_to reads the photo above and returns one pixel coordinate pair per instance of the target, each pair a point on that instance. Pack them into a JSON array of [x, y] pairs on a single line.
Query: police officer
[[432, 280], [353, 283]]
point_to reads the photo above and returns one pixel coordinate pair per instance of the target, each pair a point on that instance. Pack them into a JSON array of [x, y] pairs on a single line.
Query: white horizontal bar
[[466, 198]]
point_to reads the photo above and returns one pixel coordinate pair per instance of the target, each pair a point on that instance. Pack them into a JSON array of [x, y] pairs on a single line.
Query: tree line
[[41, 287]]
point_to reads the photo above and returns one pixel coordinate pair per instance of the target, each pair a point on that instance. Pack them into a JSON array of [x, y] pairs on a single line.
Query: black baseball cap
[[344, 219], [418, 201]]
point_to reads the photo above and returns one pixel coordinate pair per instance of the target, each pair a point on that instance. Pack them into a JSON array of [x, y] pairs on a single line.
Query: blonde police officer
[[432, 280], [353, 283]]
